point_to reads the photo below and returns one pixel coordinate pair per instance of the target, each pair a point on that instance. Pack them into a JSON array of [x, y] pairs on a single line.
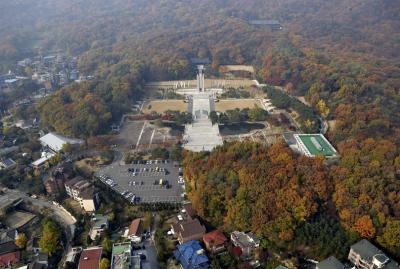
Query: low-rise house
[[90, 258], [99, 225], [365, 255], [7, 164], [73, 254], [121, 257], [188, 229], [84, 192], [191, 256], [215, 241], [330, 263], [188, 210], [9, 252], [135, 231], [55, 183], [247, 243]]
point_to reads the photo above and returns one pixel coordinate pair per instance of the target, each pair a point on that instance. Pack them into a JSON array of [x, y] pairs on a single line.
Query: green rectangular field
[[327, 149]]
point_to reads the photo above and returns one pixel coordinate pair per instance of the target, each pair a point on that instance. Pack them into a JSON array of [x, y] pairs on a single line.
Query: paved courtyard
[[149, 183]]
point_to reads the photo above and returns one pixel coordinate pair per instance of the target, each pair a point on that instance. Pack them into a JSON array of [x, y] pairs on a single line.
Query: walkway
[[202, 135]]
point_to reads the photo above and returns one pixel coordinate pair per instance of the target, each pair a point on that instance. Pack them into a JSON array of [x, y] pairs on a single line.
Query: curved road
[[60, 214]]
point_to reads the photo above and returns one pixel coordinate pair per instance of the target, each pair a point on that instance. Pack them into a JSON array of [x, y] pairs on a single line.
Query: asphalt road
[[60, 215]]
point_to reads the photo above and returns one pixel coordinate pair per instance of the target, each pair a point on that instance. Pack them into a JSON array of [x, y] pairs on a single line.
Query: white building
[[365, 255], [56, 142], [84, 192], [45, 157], [99, 225]]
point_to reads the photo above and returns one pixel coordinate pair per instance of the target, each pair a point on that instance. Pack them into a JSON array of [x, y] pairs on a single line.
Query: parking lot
[[148, 182]]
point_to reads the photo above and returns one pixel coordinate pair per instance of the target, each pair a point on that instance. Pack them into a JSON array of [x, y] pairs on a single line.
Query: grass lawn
[[224, 105], [160, 106]]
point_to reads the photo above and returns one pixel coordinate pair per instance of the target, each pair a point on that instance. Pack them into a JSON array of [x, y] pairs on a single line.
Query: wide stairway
[[202, 135]]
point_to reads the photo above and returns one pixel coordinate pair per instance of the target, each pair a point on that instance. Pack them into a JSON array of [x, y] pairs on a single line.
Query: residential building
[[56, 142], [63, 172], [330, 263], [135, 231], [365, 255], [188, 210], [99, 225], [191, 256], [84, 192], [247, 243], [215, 241], [121, 256], [7, 164], [9, 252], [188, 229], [90, 258]]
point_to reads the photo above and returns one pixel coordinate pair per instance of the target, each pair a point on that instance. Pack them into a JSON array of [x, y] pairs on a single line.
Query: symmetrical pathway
[[202, 135]]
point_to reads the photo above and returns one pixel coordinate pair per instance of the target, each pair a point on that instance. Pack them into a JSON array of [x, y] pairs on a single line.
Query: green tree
[[213, 117], [257, 114], [176, 152], [107, 245], [50, 240]]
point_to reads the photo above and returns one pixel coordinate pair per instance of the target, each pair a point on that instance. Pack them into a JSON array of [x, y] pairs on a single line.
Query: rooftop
[[189, 210], [121, 256], [245, 240], [135, 228], [314, 145], [56, 141], [8, 235], [191, 255], [7, 163], [215, 237], [99, 221], [330, 263], [90, 258], [18, 219], [189, 227], [368, 252]]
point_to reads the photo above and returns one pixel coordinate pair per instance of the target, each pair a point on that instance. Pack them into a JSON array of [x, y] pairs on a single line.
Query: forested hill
[[173, 30]]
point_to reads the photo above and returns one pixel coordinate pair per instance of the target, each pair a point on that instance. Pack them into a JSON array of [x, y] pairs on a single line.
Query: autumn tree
[[104, 263], [390, 238], [21, 240], [365, 227]]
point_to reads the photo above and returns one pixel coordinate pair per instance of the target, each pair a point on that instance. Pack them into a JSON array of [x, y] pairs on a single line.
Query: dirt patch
[[224, 105], [303, 100], [332, 124], [164, 105]]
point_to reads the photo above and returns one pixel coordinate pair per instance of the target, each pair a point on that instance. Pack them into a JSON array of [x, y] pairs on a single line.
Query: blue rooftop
[[191, 256]]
